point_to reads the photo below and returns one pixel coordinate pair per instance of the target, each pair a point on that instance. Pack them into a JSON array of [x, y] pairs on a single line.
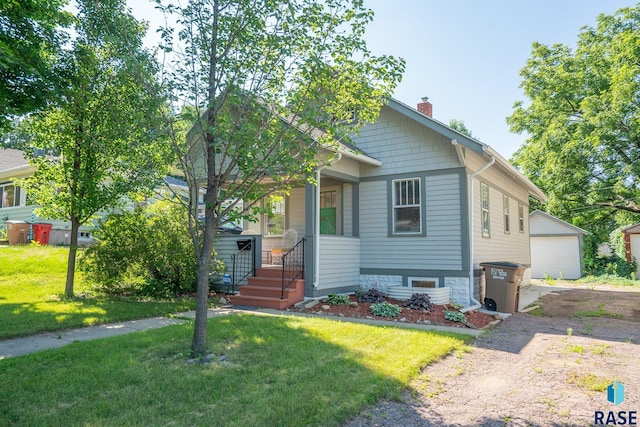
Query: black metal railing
[[292, 265], [243, 262]]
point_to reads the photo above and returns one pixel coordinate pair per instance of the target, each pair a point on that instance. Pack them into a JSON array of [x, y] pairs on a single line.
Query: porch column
[[355, 208], [309, 234]]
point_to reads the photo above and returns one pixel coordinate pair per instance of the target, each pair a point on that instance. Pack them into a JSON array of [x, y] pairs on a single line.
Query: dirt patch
[[615, 304], [540, 370], [435, 316]]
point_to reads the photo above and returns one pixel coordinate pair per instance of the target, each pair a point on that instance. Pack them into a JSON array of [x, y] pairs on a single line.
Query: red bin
[[41, 233]]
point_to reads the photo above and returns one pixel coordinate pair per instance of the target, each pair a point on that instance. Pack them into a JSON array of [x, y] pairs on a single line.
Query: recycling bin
[[17, 232], [41, 233], [502, 288]]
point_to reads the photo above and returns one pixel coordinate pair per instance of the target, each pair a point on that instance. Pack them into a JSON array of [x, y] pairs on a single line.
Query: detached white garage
[[556, 247]]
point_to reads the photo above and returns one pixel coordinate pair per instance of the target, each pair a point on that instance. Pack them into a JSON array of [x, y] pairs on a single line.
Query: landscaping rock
[[311, 303]]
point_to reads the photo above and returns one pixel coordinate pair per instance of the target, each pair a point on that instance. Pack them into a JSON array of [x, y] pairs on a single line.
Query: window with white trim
[[505, 210], [520, 217], [9, 195], [484, 207], [407, 210]]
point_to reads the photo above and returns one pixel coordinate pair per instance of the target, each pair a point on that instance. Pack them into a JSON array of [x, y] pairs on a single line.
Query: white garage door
[[635, 249], [557, 257]]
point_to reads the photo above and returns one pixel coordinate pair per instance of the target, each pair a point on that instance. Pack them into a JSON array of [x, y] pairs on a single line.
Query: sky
[[465, 55]]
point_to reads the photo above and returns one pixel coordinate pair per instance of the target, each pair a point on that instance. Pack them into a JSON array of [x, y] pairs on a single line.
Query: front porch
[[322, 221]]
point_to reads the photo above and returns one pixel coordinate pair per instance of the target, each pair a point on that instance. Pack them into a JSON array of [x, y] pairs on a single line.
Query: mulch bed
[[475, 319]]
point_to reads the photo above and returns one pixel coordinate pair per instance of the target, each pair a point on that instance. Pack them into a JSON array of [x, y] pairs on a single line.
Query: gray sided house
[[417, 204], [556, 247]]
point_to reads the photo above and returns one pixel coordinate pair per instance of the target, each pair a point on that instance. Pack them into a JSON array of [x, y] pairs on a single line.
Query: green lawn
[[279, 371], [32, 281]]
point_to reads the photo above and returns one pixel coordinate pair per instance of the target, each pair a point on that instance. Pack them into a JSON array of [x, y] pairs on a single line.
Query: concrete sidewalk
[[46, 340]]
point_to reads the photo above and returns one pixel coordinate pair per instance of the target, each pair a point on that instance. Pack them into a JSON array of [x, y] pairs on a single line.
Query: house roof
[[632, 229], [12, 162], [343, 148], [565, 227], [470, 143], [169, 180]]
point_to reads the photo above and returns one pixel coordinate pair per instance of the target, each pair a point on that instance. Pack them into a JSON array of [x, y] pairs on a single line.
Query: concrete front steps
[[265, 288]]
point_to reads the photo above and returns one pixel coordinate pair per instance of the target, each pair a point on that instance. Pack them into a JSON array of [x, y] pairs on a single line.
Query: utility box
[[17, 232], [503, 280], [41, 233]]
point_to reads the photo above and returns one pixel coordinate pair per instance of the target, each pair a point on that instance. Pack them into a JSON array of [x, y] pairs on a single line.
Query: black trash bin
[[503, 280]]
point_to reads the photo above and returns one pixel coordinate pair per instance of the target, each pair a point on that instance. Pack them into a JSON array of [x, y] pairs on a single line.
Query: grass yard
[[32, 281], [278, 371]]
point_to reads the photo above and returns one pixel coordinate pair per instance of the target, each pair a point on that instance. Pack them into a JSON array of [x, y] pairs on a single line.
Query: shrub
[[359, 291], [611, 265], [455, 316], [146, 252], [335, 299], [384, 309], [419, 302], [371, 295]]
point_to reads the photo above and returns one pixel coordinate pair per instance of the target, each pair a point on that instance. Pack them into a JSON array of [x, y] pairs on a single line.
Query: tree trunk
[[199, 342], [71, 263]]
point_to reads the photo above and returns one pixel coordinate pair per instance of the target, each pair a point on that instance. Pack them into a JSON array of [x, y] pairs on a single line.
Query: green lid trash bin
[[503, 280]]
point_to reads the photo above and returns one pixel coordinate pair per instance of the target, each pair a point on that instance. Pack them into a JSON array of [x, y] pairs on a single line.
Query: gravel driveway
[[531, 370]]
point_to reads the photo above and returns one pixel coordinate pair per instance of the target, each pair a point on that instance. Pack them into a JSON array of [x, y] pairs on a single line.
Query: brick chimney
[[425, 107]]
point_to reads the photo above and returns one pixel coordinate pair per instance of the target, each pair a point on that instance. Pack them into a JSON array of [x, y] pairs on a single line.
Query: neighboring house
[[417, 204], [556, 247], [14, 204], [632, 244]]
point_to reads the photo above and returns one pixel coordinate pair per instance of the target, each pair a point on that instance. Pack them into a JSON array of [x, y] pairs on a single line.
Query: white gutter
[[475, 304], [316, 231], [363, 158]]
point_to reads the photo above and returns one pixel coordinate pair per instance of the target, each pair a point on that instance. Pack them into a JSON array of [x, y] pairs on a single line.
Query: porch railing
[[292, 265], [243, 262]]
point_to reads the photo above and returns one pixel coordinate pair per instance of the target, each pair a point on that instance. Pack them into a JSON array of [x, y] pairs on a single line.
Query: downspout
[[475, 304], [316, 241]]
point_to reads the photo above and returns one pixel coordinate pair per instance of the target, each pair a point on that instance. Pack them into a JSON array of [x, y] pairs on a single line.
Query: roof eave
[[532, 189], [18, 170], [467, 142], [435, 125]]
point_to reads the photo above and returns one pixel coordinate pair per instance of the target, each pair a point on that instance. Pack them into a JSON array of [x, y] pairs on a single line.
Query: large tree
[[30, 42], [271, 85], [105, 130], [582, 118]]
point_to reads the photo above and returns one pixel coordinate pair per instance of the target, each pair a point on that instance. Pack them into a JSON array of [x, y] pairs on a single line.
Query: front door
[[328, 212]]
